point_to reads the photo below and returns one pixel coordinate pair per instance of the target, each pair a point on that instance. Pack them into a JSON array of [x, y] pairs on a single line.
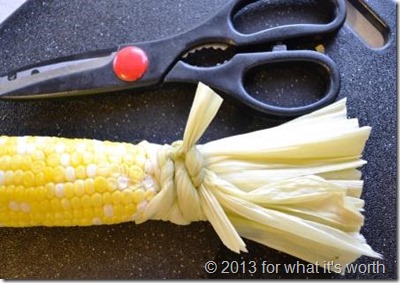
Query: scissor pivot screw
[[130, 63]]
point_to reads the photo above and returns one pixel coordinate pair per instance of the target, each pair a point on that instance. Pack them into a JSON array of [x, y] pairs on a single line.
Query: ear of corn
[[62, 182], [294, 187]]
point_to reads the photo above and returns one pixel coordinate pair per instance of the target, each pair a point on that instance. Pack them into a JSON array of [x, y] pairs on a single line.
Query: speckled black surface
[[47, 29]]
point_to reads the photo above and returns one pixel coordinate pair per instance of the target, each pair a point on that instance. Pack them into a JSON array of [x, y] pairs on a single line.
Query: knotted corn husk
[[294, 188]]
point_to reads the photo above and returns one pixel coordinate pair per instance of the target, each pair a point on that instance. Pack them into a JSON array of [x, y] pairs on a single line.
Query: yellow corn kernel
[[112, 184], [85, 222], [79, 187], [48, 174], [11, 148], [75, 159], [68, 215], [28, 194], [58, 217], [18, 175], [53, 160], [12, 216], [18, 193], [28, 179], [7, 194], [89, 186], [107, 199], [65, 203], [98, 210], [16, 162], [38, 155], [39, 193], [87, 158], [150, 194], [38, 166], [76, 215], [80, 172], [116, 170], [9, 178], [86, 201], [5, 162], [25, 163], [38, 218], [44, 206], [69, 190], [49, 219], [69, 146], [97, 199], [103, 170], [50, 190], [139, 195], [116, 197], [76, 203], [320, 48], [130, 209], [59, 174], [87, 214], [118, 212], [100, 184], [55, 204], [127, 196], [136, 173]]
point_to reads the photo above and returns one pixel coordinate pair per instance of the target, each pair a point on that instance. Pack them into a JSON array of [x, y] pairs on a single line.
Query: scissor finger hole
[[267, 14], [287, 84]]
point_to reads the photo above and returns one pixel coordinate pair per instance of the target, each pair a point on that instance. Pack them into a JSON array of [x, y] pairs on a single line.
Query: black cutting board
[[43, 30]]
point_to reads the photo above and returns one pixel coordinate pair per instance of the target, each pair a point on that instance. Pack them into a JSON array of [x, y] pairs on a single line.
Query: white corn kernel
[[123, 182], [65, 159], [13, 206], [91, 171], [59, 190], [70, 174], [108, 210], [60, 148], [2, 178], [25, 207], [97, 221], [142, 206]]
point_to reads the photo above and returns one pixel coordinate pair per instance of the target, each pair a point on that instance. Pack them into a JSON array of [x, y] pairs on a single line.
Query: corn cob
[[294, 188], [67, 182]]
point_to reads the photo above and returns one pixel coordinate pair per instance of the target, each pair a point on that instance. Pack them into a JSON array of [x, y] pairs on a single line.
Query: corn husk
[[295, 188]]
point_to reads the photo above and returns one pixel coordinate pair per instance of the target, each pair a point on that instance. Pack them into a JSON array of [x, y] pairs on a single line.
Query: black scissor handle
[[229, 78], [223, 24]]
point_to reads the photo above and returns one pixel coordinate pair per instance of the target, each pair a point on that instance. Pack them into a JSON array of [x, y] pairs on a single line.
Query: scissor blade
[[68, 78]]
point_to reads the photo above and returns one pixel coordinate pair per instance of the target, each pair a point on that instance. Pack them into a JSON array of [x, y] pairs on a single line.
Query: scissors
[[151, 63]]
